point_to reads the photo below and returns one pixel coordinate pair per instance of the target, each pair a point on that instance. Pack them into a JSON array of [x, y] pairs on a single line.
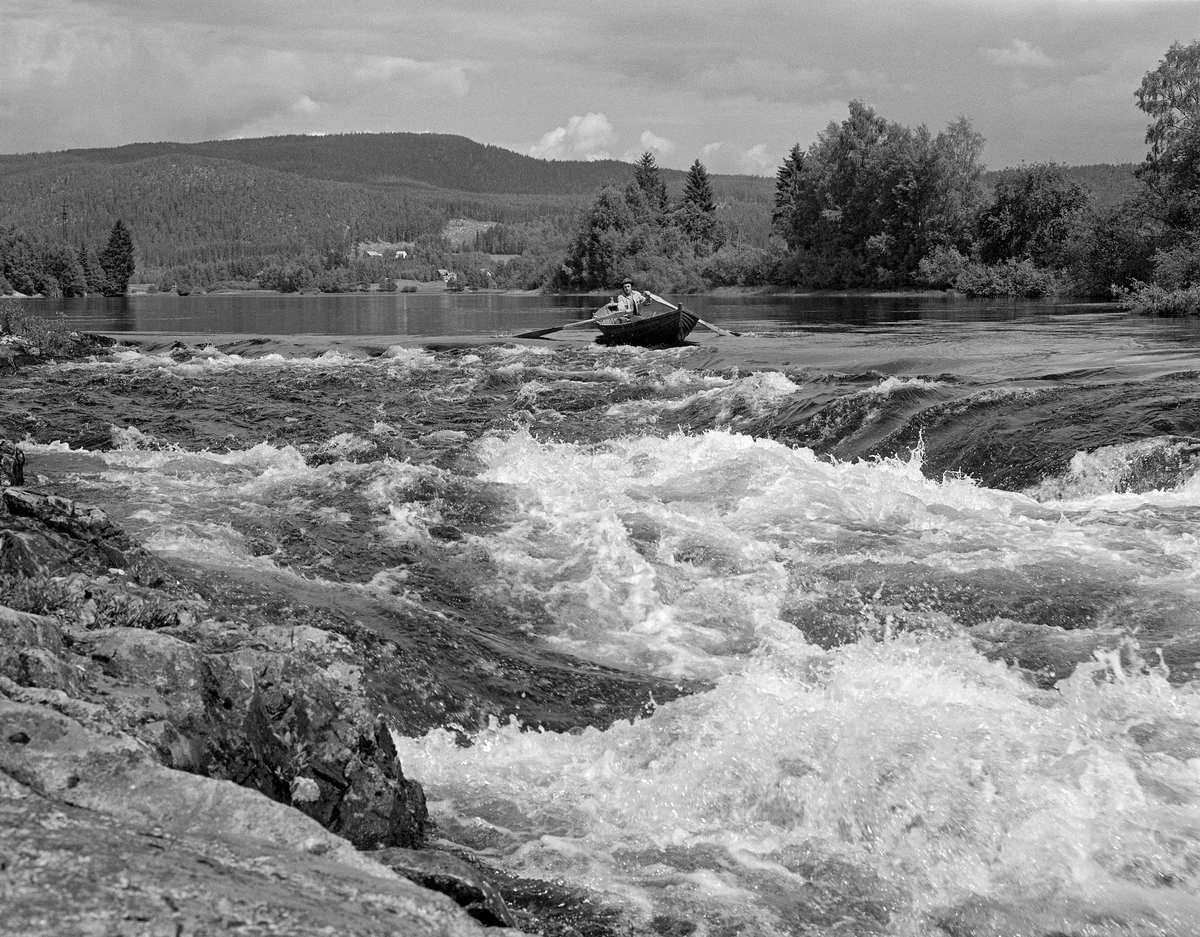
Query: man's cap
[[627, 280]]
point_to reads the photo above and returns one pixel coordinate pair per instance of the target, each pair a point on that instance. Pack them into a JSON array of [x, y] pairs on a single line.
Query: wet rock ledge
[[165, 770]]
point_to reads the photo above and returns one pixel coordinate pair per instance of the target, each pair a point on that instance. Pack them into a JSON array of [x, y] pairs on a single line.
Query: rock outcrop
[[164, 769], [96, 838], [281, 709]]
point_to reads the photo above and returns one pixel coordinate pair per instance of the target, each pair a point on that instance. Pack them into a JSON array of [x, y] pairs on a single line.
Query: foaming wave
[[211, 361], [130, 437], [936, 789], [892, 384], [674, 554], [198, 505], [712, 400], [412, 358], [1159, 464], [346, 445]]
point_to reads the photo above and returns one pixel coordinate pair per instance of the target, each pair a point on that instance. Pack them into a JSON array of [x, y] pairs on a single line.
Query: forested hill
[[185, 208], [222, 199], [442, 161], [1108, 184]]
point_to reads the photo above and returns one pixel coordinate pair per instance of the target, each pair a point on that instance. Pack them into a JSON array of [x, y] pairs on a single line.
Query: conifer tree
[[789, 190], [697, 190], [117, 259], [698, 214], [93, 274], [648, 179]]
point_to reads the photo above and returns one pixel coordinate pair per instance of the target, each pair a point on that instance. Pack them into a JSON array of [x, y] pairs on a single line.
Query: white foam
[[410, 358], [347, 445], [941, 774], [891, 384]]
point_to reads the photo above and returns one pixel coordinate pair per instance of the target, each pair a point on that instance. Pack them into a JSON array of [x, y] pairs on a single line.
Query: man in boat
[[628, 302]]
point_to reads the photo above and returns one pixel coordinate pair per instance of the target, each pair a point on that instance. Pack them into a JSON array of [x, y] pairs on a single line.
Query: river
[[881, 617]]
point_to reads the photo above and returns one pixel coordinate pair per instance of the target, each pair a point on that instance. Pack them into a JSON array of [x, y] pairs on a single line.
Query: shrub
[[1178, 267], [1150, 299], [941, 267], [738, 266], [52, 337], [1011, 278]]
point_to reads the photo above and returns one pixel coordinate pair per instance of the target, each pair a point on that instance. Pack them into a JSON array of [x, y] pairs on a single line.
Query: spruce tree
[[698, 214], [697, 190], [789, 192], [647, 178], [117, 259], [93, 272]]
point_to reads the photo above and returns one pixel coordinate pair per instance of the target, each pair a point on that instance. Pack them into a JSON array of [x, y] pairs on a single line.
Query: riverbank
[[438, 288]]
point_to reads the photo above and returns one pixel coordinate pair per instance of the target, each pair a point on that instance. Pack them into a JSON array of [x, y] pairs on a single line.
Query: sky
[[734, 84]]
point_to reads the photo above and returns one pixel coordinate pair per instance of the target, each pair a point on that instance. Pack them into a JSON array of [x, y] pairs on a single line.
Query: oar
[[699, 321], [538, 333]]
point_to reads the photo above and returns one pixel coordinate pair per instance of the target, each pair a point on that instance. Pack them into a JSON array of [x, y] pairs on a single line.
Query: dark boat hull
[[668, 328]]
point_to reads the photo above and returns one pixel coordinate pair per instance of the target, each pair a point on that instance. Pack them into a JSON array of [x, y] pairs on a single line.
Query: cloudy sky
[[734, 83]]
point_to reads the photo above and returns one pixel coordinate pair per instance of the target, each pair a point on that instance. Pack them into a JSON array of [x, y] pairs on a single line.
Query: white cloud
[[1020, 54], [650, 141], [586, 137], [709, 149], [758, 161]]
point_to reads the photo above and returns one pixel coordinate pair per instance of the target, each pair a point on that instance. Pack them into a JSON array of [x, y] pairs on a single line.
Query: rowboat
[[666, 328]]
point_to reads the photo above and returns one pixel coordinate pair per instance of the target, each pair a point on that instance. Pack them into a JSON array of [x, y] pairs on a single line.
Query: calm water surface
[[427, 314]]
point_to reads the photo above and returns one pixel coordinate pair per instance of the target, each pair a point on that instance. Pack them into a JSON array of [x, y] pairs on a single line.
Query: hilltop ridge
[[444, 161]]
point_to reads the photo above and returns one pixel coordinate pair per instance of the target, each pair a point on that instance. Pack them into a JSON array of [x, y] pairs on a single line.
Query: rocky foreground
[[165, 770]]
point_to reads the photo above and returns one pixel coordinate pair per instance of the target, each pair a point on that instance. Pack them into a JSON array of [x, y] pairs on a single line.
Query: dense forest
[[869, 204]]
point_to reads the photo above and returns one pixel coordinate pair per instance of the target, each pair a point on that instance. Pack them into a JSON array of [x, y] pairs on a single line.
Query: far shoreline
[[436, 289]]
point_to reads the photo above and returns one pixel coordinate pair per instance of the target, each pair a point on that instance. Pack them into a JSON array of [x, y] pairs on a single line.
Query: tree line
[[33, 265]]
